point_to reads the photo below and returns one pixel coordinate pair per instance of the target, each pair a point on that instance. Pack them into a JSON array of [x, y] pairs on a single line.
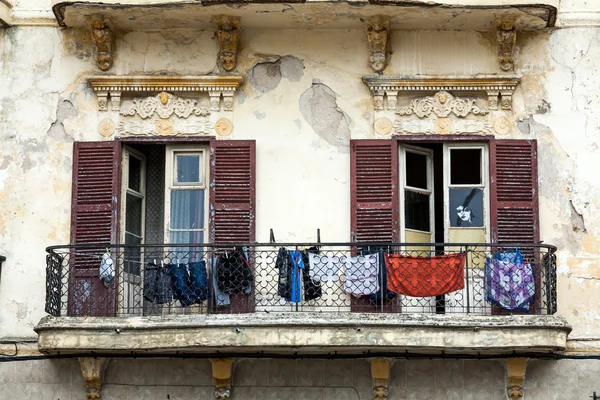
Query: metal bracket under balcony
[[307, 298], [310, 14]]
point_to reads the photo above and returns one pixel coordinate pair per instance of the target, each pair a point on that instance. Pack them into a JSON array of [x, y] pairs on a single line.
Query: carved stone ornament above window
[[442, 104], [220, 89], [165, 105], [385, 89]]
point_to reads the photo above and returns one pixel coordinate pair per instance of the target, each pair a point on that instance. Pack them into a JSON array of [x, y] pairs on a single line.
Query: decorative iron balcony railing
[[440, 278]]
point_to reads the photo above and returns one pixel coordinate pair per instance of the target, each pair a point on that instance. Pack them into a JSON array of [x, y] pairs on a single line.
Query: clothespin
[[108, 251]]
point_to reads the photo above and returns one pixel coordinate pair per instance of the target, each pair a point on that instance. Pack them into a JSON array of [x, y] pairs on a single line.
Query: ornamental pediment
[[163, 105], [442, 105]]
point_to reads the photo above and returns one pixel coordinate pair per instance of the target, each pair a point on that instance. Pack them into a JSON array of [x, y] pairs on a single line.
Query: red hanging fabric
[[425, 276]]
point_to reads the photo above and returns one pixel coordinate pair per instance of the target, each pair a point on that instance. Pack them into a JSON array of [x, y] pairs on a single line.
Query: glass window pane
[[187, 209], [416, 170], [186, 237], [132, 257], [135, 174], [465, 167], [133, 214], [466, 207], [416, 211], [188, 169]]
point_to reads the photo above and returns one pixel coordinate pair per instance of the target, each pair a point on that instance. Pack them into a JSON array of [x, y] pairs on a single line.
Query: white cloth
[[107, 269], [324, 268], [361, 274]]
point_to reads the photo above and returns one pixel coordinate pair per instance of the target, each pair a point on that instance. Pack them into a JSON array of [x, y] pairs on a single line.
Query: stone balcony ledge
[[310, 14], [304, 333]]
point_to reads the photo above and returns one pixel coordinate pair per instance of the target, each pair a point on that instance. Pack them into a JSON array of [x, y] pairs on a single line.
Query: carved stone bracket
[[227, 34], [498, 90], [221, 369], [515, 372], [221, 89], [378, 34], [507, 37], [103, 40], [380, 372], [93, 372]]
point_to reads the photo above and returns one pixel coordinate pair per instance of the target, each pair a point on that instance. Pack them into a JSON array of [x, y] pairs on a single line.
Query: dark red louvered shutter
[[514, 191], [94, 219], [374, 191], [232, 194], [233, 204], [374, 204]]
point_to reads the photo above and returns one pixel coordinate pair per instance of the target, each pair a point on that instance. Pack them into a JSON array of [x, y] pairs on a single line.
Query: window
[[141, 192], [483, 190], [186, 195]]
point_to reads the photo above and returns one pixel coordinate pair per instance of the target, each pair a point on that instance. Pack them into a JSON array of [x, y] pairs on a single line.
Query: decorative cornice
[[499, 89], [217, 87]]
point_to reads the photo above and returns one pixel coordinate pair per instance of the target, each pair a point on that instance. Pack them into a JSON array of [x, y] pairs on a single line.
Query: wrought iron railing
[[441, 278]]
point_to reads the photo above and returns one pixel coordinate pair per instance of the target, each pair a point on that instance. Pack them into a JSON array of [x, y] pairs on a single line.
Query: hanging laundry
[[157, 284], [198, 281], [221, 298], [312, 288], [290, 282], [509, 282], [234, 273], [107, 269], [180, 279], [383, 294], [425, 276], [283, 263], [297, 264], [360, 274], [324, 268]]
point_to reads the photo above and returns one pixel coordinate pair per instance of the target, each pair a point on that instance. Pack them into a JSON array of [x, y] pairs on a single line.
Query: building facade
[[306, 200]]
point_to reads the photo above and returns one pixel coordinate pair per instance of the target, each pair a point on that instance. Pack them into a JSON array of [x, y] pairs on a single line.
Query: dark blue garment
[[157, 284], [180, 279], [198, 281]]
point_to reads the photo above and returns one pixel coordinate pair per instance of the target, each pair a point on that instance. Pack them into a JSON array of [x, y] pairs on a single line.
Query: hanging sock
[[425, 276]]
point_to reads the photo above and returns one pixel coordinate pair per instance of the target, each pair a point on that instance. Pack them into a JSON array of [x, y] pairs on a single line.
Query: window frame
[[485, 185], [171, 152]]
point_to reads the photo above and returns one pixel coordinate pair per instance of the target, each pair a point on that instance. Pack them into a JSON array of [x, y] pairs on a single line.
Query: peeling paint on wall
[[320, 109]]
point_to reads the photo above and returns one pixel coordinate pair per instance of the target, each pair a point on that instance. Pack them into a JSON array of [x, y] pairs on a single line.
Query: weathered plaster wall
[[302, 101], [128, 379]]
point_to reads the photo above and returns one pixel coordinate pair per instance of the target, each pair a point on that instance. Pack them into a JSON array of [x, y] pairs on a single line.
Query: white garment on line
[[324, 268], [361, 274]]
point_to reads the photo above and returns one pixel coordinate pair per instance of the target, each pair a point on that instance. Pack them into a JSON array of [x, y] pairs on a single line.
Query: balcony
[[309, 14], [302, 298]]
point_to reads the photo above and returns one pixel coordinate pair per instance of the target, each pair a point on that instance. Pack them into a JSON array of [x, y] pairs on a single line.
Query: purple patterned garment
[[509, 284]]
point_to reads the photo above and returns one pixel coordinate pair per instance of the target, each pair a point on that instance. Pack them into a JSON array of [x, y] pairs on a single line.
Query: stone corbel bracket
[[92, 370], [507, 37], [103, 40], [220, 89], [515, 375], [221, 370], [380, 373], [385, 89], [227, 34], [378, 35]]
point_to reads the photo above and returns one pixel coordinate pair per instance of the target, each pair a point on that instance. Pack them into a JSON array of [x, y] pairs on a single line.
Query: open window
[[435, 191], [151, 193]]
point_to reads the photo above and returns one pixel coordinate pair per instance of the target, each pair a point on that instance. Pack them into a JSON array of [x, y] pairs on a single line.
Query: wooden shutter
[[514, 191], [233, 204], [94, 219], [374, 191], [374, 205], [232, 194]]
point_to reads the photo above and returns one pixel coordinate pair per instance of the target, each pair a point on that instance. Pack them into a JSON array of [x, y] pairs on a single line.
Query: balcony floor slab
[[303, 333]]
